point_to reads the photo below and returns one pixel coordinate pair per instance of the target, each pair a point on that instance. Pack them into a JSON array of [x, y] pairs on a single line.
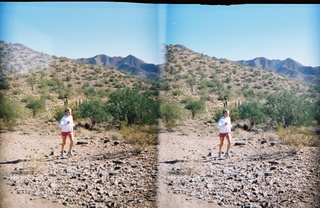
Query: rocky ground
[[107, 172], [262, 172], [104, 172]]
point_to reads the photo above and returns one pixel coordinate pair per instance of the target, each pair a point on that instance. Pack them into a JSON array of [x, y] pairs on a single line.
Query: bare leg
[[71, 137], [229, 142], [64, 138], [221, 143]]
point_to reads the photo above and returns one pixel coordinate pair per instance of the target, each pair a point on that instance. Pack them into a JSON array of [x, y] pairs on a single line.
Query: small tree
[[32, 80], [36, 105], [288, 109], [4, 82], [191, 82], [195, 106], [9, 111], [131, 107], [254, 111], [170, 112], [95, 110]]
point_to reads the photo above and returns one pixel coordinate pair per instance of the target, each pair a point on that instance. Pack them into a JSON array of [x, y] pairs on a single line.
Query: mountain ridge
[[287, 67], [129, 64], [18, 58]]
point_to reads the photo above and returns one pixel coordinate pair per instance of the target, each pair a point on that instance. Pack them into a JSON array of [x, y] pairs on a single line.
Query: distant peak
[[288, 59], [181, 46], [133, 58]]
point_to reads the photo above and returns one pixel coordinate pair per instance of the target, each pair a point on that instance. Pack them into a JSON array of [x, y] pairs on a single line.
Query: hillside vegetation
[[191, 85]]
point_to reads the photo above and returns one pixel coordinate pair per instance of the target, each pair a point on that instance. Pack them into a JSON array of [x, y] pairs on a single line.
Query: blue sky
[[236, 32]]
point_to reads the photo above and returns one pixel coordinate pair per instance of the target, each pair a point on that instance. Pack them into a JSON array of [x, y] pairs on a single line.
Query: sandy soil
[[185, 147], [17, 145]]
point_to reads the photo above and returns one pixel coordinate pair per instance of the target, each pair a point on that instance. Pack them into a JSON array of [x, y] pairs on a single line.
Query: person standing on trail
[[66, 124], [225, 126]]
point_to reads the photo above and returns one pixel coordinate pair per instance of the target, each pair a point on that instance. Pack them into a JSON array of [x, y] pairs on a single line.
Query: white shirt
[[65, 127], [223, 128]]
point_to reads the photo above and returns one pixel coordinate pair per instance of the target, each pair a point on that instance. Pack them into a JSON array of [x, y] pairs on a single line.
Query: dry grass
[[140, 135], [297, 137]]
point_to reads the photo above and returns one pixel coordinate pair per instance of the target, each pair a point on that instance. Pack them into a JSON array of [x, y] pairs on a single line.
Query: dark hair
[[67, 109], [225, 110]]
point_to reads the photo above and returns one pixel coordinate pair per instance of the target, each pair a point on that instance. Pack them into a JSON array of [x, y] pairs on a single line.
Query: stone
[[268, 173], [240, 143]]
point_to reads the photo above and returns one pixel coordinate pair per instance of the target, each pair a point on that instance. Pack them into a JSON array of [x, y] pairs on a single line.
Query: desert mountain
[[19, 59], [129, 64], [188, 73], [287, 67]]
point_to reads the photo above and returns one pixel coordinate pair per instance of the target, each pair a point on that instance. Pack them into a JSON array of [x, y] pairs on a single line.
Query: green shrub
[[95, 110], [4, 81], [170, 112], [36, 105], [288, 109], [9, 111], [195, 106], [132, 107], [252, 110]]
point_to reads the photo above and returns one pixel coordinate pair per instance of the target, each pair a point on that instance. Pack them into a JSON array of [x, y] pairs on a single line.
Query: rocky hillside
[[188, 73], [288, 67], [19, 59], [185, 74]]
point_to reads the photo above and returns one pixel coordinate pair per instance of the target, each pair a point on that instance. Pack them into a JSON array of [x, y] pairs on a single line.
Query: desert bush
[[164, 86], [216, 85], [317, 112], [55, 83], [248, 93], [170, 112], [43, 84], [4, 81], [10, 111], [130, 106], [252, 110], [288, 109], [68, 78], [17, 91], [32, 80], [65, 93], [36, 105], [228, 79], [89, 91], [195, 106], [94, 109], [203, 85], [191, 82], [104, 92], [225, 94]]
